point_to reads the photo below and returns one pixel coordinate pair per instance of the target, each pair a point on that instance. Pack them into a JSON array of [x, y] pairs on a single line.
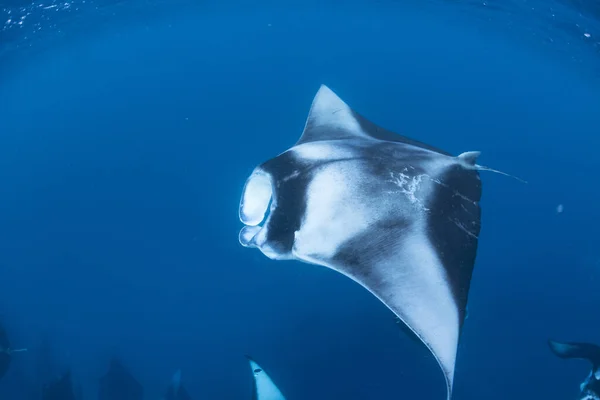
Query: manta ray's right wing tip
[[565, 350], [586, 351]]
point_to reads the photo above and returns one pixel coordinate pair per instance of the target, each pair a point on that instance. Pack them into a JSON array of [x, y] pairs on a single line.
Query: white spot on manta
[[409, 185], [293, 175]]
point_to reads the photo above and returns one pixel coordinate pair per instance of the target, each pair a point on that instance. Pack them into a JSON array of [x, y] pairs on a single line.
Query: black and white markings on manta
[[264, 388], [590, 387], [398, 216]]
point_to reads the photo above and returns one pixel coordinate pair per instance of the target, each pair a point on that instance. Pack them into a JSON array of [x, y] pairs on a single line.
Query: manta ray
[[6, 352], [398, 216], [176, 390], [590, 387], [264, 388], [119, 384], [59, 389]]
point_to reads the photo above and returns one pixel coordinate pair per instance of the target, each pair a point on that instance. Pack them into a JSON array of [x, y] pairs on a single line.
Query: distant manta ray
[[264, 388], [6, 352], [590, 387], [176, 390], [398, 216]]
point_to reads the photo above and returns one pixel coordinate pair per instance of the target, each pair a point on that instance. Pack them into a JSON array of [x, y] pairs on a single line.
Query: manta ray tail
[[586, 351], [469, 160]]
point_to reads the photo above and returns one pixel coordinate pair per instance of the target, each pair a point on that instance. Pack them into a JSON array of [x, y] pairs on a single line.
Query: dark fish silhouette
[[6, 352], [119, 384], [61, 389]]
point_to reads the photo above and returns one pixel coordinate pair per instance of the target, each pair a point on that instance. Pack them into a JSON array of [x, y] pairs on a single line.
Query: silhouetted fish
[[119, 384], [61, 389], [5, 352]]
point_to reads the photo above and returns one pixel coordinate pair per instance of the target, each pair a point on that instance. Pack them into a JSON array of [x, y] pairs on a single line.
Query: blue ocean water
[[128, 129]]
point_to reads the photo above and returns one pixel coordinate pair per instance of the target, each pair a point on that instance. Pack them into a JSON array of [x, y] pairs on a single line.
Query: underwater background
[[128, 129]]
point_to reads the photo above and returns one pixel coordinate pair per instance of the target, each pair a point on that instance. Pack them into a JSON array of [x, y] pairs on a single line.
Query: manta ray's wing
[[399, 217], [585, 351], [264, 388], [118, 383], [60, 389], [330, 118]]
